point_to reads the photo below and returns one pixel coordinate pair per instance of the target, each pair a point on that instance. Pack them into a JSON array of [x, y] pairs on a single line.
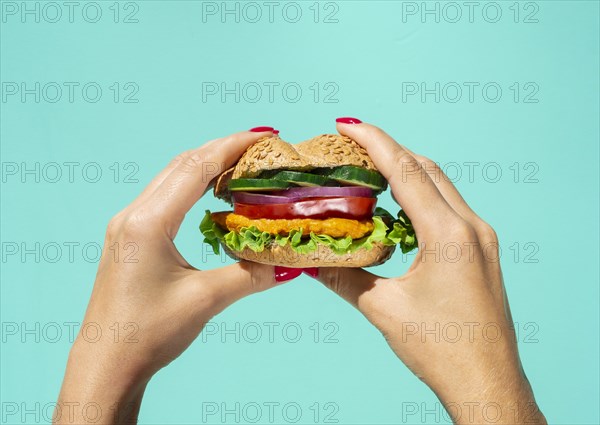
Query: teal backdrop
[[98, 96]]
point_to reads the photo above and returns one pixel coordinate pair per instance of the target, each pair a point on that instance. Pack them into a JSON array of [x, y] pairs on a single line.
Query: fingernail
[[261, 129], [283, 274], [348, 120], [311, 271], [275, 132]]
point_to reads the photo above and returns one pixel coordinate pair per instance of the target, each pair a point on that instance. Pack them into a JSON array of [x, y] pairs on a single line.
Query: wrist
[[99, 388], [497, 402]]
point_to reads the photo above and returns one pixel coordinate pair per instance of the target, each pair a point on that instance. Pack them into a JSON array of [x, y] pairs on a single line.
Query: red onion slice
[[258, 198], [296, 193]]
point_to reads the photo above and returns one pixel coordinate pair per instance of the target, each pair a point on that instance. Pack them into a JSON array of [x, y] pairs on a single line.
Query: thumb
[[353, 285], [230, 283]]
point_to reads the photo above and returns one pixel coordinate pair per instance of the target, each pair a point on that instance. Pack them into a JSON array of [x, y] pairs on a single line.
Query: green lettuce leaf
[[383, 213], [212, 232], [401, 232], [339, 245]]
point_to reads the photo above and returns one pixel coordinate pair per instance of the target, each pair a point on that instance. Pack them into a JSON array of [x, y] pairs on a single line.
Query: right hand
[[448, 317]]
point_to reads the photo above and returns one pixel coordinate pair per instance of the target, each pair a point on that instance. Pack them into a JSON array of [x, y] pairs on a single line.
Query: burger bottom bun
[[277, 255]]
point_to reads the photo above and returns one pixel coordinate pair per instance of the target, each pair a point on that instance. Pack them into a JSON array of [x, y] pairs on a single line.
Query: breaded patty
[[334, 227]]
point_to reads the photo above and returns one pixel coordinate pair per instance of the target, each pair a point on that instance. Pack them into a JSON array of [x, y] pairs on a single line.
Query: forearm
[[495, 403], [96, 391]]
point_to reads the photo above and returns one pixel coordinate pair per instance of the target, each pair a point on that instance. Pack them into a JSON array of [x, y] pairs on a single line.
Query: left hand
[[147, 308]]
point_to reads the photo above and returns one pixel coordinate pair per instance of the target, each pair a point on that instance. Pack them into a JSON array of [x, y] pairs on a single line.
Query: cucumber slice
[[257, 185], [356, 176], [303, 179]]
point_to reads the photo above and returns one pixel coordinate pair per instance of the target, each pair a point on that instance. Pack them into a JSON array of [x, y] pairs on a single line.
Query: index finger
[[182, 188], [411, 185]]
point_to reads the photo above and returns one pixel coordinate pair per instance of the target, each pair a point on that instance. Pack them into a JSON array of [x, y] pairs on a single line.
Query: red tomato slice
[[349, 207]]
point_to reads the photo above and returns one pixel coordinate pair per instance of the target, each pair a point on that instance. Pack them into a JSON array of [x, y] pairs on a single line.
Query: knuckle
[[487, 233], [259, 274], [181, 157], [462, 230], [133, 226], [401, 156], [427, 163], [196, 159], [231, 139], [112, 229], [332, 279], [423, 160], [256, 281], [430, 167], [407, 168]]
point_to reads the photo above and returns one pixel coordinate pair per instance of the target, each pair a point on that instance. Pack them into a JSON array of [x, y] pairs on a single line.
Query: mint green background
[[369, 53]]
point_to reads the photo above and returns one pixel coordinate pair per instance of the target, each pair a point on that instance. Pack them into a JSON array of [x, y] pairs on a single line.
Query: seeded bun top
[[272, 153]]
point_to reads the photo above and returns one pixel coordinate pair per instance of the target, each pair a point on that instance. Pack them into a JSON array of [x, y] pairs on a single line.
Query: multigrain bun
[[276, 255], [272, 153]]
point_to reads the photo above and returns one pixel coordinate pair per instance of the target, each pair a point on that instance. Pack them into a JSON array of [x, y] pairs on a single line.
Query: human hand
[[448, 317], [149, 306]]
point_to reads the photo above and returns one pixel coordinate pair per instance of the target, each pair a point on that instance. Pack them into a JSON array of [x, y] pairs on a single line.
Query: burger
[[313, 204]]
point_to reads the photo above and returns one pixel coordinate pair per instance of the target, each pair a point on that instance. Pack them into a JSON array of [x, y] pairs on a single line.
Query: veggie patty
[[334, 227]]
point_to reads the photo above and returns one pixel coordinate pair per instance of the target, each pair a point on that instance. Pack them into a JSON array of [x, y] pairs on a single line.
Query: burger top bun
[[272, 153]]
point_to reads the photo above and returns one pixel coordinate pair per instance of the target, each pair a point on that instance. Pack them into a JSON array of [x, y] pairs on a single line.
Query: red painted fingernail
[[275, 131], [311, 271], [261, 129], [283, 274], [348, 120]]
